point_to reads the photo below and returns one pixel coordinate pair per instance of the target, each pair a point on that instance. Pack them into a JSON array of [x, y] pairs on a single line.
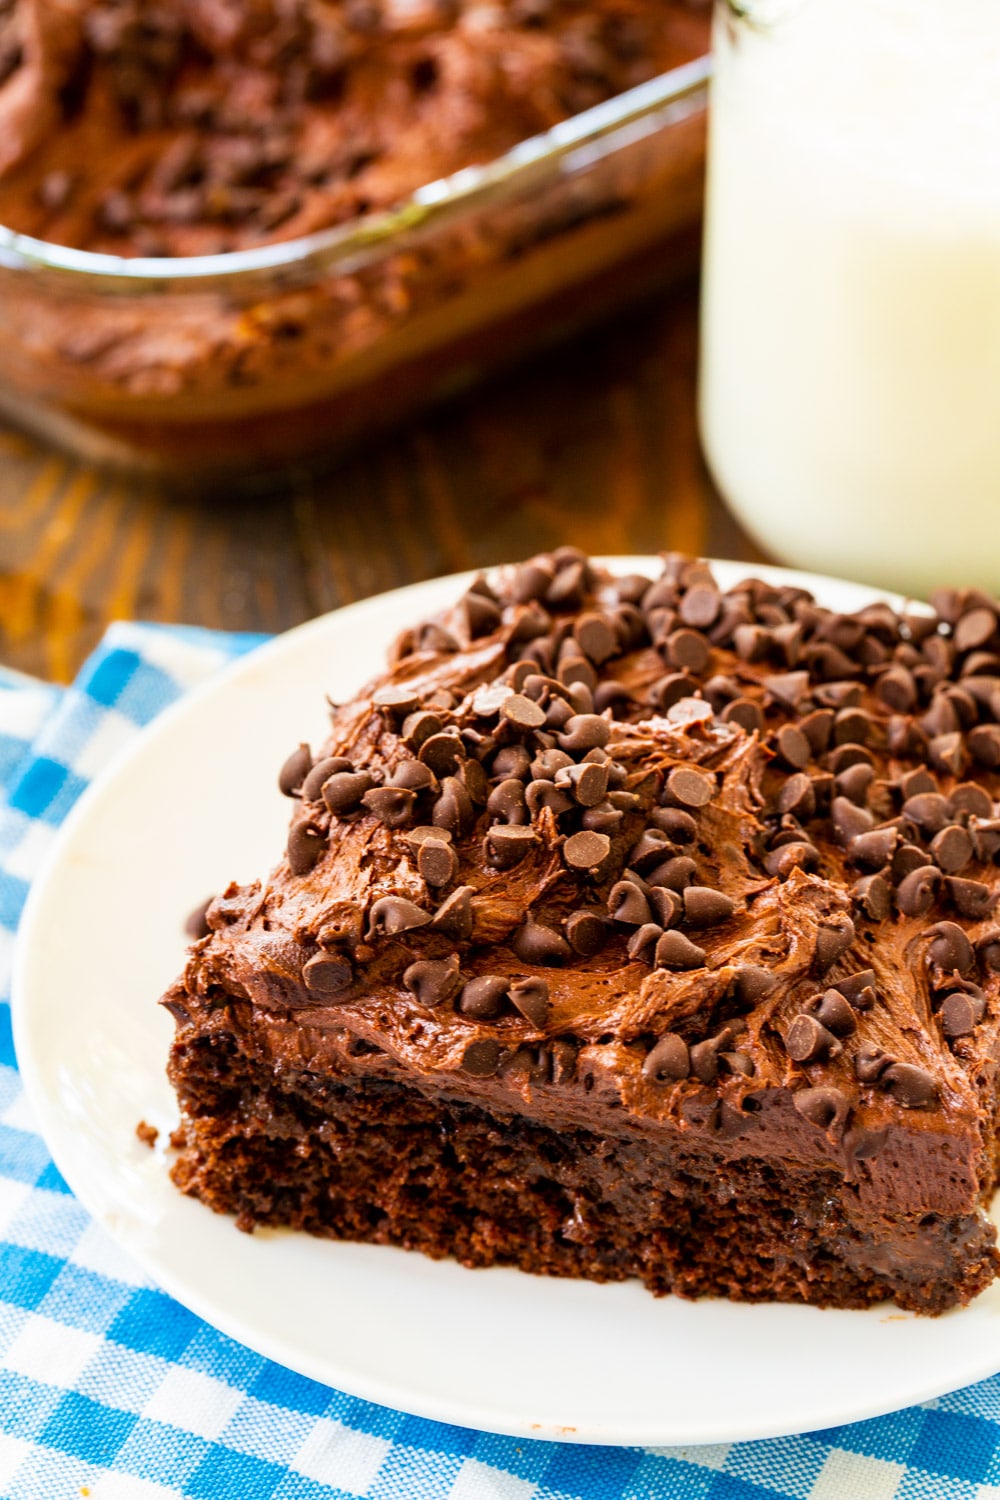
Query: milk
[[850, 378]]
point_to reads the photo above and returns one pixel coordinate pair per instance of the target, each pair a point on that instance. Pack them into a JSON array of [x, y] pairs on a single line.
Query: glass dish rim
[[348, 247]]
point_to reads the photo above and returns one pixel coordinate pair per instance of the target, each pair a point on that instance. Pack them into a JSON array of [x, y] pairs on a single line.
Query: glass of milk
[[850, 369]]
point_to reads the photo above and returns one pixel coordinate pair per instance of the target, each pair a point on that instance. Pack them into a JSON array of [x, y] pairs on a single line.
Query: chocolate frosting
[[684, 828]]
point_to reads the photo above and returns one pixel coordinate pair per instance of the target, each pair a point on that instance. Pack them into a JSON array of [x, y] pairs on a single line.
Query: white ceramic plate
[[194, 804]]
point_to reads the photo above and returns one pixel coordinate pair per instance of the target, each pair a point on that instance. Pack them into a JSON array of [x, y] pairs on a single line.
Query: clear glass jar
[[850, 378]]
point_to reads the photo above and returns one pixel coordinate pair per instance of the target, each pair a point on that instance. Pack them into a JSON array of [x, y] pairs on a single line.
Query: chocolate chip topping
[[586, 850], [808, 1040], [481, 1058], [909, 1085], [327, 974], [483, 998], [306, 845], [689, 788], [704, 907], [675, 951], [392, 915], [294, 772], [669, 1061], [342, 791], [433, 981], [437, 861], [531, 998]]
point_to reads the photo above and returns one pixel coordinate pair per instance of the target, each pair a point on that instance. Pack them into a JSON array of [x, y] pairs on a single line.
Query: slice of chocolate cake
[[628, 928]]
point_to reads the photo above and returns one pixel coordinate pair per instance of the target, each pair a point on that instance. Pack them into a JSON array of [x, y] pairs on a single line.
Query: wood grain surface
[[594, 442]]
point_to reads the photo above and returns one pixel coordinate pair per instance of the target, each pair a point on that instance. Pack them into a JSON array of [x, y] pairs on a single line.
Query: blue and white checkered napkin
[[109, 1389]]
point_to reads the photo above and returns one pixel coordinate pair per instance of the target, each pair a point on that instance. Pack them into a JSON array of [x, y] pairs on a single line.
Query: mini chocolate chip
[[506, 844], [947, 753], [668, 1061], [843, 756], [873, 850], [855, 782], [506, 803], [678, 825], [799, 855], [705, 1058], [826, 1108], [532, 580], [626, 903], [968, 797], [437, 862], [343, 790], [700, 606], [753, 983], [586, 851], [483, 998], [744, 712], [391, 915], [586, 932], [916, 891], [909, 1085], [858, 988], [873, 894], [531, 998], [306, 844], [984, 742], [536, 944], [797, 797], [808, 1040], [413, 777], [665, 906], [951, 849], [522, 713], [295, 770], [643, 941], [897, 690], [960, 1013], [434, 637], [557, 714], [574, 669], [433, 981], [917, 784], [751, 642], [513, 762], [674, 874], [453, 809], [832, 941], [788, 688], [399, 698], [687, 650], [974, 629], [907, 858], [392, 805], [985, 834], [971, 897], [950, 948], [793, 747], [424, 831], [321, 772], [675, 951], [704, 907], [834, 1012], [327, 973], [689, 788], [443, 753], [481, 1058], [818, 729], [482, 615], [418, 727], [649, 849], [849, 820], [595, 637], [588, 783], [583, 732], [870, 1062], [454, 916]]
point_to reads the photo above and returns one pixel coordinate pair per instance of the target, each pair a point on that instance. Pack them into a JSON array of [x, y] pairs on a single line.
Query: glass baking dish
[[247, 361]]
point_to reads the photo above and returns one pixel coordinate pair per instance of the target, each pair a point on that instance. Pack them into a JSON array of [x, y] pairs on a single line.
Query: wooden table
[[594, 442]]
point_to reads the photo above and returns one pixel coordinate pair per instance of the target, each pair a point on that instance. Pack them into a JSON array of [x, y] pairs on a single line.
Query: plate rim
[[380, 1391]]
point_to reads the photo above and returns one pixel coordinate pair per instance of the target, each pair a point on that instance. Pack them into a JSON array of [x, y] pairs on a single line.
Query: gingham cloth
[[111, 1390]]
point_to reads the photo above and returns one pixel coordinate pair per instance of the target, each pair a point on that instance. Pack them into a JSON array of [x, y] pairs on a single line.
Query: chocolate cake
[[628, 928], [193, 127]]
